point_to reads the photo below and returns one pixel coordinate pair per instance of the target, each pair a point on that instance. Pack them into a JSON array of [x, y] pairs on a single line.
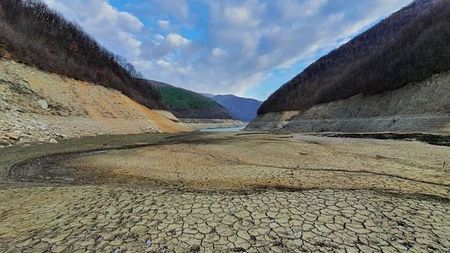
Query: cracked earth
[[233, 193]]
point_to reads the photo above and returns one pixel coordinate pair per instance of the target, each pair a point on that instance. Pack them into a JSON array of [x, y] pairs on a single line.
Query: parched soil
[[236, 162], [232, 192]]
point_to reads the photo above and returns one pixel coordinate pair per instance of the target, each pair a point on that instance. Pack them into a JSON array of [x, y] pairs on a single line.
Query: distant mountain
[[243, 109], [208, 95], [409, 46], [188, 104]]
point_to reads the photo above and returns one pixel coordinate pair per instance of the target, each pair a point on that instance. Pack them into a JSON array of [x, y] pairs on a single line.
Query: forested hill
[[188, 104], [33, 34], [408, 46]]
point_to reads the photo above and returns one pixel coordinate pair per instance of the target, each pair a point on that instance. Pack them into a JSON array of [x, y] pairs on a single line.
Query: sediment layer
[[418, 107], [37, 106]]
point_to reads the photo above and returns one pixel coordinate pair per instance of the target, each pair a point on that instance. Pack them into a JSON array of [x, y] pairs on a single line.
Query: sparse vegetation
[[33, 34], [409, 46]]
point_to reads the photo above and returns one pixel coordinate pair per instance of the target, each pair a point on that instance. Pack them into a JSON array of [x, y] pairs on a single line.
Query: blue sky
[[243, 47]]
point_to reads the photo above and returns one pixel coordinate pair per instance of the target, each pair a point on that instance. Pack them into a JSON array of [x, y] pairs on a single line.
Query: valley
[[350, 154]]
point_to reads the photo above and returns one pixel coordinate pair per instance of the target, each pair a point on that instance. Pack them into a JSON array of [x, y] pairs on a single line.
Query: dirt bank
[[37, 106], [418, 107]]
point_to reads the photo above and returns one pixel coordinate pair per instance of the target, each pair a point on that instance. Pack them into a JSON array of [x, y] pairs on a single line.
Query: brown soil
[[202, 193], [234, 161], [37, 106]]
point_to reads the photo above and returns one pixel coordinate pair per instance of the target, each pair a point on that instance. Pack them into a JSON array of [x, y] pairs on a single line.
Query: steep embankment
[[419, 107], [382, 80], [37, 106]]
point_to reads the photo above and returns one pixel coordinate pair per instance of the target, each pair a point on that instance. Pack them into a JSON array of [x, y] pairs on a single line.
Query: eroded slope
[[419, 107], [37, 106]]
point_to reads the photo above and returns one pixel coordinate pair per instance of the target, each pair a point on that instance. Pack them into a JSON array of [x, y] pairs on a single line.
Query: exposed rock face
[[36, 106], [419, 107]]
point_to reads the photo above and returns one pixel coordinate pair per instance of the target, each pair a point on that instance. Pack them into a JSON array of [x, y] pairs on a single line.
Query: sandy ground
[[284, 161], [231, 192]]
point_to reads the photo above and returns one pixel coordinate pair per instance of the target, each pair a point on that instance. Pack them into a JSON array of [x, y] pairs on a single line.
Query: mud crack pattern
[[142, 219]]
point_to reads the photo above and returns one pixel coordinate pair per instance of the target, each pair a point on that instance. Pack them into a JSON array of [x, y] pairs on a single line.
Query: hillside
[[243, 109], [33, 34], [37, 106], [417, 107], [188, 104], [409, 46], [393, 77]]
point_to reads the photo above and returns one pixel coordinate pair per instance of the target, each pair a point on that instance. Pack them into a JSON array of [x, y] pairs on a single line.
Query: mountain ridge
[[358, 87], [408, 46], [242, 108], [185, 103]]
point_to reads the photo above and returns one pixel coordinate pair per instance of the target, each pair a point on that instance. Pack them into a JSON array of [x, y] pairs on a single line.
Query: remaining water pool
[[223, 129]]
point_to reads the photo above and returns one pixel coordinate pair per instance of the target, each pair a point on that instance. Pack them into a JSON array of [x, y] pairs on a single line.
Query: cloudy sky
[[244, 47]]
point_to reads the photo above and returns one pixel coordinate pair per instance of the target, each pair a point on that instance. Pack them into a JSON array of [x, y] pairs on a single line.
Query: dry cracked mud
[[233, 193]]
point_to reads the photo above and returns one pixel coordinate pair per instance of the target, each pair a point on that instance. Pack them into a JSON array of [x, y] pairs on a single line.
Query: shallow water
[[223, 129]]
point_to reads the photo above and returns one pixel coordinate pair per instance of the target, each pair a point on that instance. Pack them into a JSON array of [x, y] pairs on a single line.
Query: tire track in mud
[[18, 172]]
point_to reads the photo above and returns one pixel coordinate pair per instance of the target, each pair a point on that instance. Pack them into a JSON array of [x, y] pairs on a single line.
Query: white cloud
[[231, 48], [176, 40], [163, 63], [164, 24], [218, 52], [239, 15], [114, 29], [293, 9]]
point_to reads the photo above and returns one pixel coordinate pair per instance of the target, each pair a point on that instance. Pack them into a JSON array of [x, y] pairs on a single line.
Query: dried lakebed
[[232, 192]]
